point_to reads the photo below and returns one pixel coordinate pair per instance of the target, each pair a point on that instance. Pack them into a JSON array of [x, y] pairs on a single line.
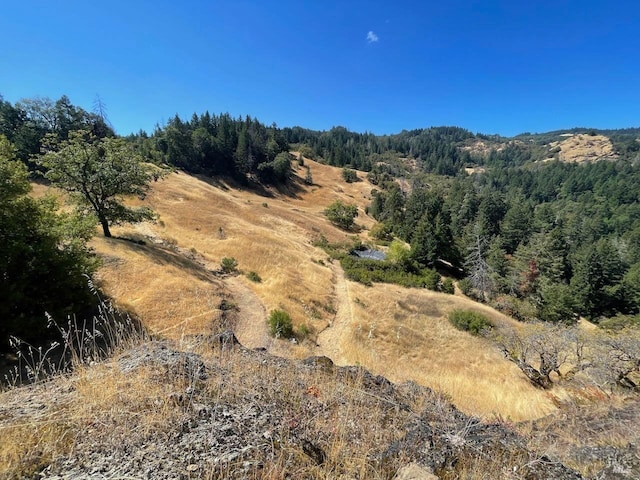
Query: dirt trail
[[251, 328], [330, 339]]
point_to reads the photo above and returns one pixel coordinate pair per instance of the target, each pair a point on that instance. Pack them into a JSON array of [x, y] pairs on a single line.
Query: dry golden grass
[[43, 422], [173, 296], [585, 148], [404, 334], [30, 446], [271, 233]]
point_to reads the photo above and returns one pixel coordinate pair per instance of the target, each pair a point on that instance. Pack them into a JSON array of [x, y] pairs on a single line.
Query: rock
[[314, 451], [226, 339], [413, 471], [321, 362]]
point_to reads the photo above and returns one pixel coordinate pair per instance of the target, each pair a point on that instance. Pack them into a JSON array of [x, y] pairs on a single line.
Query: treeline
[[442, 150], [27, 122], [548, 241], [435, 149], [219, 145]]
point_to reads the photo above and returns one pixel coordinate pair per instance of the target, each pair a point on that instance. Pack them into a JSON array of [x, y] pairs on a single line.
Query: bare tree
[[541, 349], [100, 109], [477, 266], [618, 358]]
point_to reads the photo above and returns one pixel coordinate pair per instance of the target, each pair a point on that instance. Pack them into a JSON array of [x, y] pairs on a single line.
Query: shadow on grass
[[163, 255], [292, 188]]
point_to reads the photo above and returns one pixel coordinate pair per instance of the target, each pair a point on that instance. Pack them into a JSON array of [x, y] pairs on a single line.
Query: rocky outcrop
[[239, 413]]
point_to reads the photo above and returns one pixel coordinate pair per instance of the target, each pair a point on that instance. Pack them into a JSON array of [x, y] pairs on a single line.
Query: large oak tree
[[98, 174]]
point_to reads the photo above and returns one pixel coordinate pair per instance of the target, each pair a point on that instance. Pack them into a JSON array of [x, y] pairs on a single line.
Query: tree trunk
[[537, 378], [105, 227]]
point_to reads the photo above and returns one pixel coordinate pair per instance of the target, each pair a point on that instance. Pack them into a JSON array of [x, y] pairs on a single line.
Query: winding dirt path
[[330, 339], [251, 328]]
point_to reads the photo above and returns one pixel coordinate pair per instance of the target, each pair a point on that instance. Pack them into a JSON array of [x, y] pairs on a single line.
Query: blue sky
[[504, 67]]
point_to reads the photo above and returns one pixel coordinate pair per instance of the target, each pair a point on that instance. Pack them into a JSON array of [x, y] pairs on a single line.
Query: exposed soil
[[330, 339], [251, 325]]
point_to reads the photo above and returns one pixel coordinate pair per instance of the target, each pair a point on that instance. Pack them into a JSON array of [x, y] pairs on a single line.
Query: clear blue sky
[[505, 67]]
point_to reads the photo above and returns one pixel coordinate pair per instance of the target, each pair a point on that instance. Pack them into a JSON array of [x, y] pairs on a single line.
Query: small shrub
[[341, 214], [304, 332], [447, 286], [280, 324], [329, 308], [254, 277], [465, 286], [308, 178], [229, 264], [430, 279], [265, 205], [349, 175], [314, 313], [382, 232], [468, 321], [620, 322], [226, 305]]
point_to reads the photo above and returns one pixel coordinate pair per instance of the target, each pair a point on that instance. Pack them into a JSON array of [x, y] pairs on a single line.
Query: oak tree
[[98, 174]]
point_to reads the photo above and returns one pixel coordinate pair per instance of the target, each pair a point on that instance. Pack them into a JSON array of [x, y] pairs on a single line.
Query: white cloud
[[372, 37]]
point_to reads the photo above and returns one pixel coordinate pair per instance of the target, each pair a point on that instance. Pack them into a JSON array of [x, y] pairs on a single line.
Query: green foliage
[[448, 286], [26, 123], [466, 287], [342, 214], [557, 304], [229, 264], [620, 322], [254, 277], [349, 175], [308, 178], [424, 244], [304, 332], [278, 170], [44, 259], [280, 324], [469, 321], [381, 231], [219, 145], [399, 254], [367, 271], [631, 282], [98, 174]]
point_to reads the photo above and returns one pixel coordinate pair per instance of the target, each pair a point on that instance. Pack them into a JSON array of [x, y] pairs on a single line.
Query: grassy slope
[[401, 333]]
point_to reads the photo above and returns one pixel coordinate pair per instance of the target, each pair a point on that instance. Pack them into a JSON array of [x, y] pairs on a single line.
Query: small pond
[[370, 254]]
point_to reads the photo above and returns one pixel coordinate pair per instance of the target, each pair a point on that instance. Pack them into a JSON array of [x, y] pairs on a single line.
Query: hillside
[[400, 333], [174, 389], [584, 148]]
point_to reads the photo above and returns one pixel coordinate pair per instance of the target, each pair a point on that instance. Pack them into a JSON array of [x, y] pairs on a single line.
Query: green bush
[[447, 286], [349, 175], [367, 271], [342, 214], [465, 286], [280, 324], [382, 232], [468, 321], [304, 332], [254, 277], [229, 264]]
